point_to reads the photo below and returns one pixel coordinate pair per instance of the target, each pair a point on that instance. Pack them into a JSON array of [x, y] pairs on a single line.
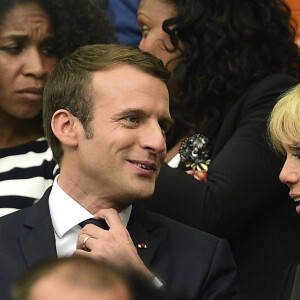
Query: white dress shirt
[[66, 214], [175, 161]]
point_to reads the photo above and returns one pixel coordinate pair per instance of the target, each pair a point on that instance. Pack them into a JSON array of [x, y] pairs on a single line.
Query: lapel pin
[[142, 245]]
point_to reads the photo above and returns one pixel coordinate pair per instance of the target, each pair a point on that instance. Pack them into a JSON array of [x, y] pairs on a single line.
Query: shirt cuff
[[157, 283]]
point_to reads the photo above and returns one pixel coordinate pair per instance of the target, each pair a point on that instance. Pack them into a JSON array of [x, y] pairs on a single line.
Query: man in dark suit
[[105, 114]]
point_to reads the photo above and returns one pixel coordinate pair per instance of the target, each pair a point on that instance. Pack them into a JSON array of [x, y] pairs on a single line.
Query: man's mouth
[[144, 166], [149, 166]]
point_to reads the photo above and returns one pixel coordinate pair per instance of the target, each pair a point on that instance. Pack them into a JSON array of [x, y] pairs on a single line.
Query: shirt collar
[[175, 161], [66, 212]]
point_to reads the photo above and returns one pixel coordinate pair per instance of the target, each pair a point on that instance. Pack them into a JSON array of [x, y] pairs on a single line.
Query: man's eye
[[165, 126], [132, 119]]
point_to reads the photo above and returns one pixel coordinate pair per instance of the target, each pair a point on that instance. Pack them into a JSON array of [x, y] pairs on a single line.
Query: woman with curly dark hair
[[34, 35], [230, 60]]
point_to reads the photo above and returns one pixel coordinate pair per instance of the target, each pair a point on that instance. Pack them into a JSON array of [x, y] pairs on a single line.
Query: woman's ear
[[64, 126]]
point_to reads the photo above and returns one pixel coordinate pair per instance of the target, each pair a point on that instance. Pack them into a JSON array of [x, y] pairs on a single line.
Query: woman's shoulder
[[273, 82], [264, 93], [291, 281], [278, 78], [39, 145]]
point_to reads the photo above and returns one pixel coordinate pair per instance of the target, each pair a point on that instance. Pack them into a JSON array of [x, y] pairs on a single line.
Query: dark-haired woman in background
[[230, 61], [34, 35]]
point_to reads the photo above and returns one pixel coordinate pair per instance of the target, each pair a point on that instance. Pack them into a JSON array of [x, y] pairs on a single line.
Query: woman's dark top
[[243, 201]]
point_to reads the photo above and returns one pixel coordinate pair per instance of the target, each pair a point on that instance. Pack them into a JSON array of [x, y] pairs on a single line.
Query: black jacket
[[243, 201], [190, 263]]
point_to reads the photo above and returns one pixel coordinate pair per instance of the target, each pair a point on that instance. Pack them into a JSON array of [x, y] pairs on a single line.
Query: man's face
[[130, 116]]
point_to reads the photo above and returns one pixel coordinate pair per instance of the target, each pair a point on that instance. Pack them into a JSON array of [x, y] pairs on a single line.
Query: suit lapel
[[37, 239], [144, 234]]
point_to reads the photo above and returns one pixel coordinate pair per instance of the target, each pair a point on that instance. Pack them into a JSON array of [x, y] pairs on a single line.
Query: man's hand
[[114, 244]]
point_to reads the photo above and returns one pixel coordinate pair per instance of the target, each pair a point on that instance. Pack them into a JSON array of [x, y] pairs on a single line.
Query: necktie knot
[[100, 223]]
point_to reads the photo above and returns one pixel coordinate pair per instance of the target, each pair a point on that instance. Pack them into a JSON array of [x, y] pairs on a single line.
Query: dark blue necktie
[[100, 223]]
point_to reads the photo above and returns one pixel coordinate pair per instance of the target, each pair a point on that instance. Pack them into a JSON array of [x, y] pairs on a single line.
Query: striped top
[[26, 172]]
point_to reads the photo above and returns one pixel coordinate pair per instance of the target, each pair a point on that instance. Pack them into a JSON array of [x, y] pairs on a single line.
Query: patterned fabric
[[26, 172]]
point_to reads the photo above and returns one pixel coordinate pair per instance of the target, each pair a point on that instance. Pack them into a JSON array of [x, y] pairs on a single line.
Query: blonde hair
[[284, 121]]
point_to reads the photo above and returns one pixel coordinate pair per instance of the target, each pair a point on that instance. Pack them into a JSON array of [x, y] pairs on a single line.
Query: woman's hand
[[199, 175]]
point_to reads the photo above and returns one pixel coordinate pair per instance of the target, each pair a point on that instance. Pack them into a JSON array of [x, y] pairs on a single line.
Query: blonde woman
[[284, 132]]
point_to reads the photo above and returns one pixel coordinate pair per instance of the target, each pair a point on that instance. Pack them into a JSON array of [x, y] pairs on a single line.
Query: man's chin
[[143, 194]]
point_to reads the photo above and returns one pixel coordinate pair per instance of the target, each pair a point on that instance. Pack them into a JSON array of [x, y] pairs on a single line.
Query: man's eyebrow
[[130, 111], [133, 111]]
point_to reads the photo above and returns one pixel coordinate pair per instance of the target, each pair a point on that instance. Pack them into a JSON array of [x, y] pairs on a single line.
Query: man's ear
[[65, 127]]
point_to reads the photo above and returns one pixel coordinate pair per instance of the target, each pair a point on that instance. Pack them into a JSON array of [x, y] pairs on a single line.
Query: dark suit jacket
[[243, 201], [189, 262]]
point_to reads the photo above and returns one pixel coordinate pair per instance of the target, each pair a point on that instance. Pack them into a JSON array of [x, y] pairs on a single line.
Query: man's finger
[[111, 217]]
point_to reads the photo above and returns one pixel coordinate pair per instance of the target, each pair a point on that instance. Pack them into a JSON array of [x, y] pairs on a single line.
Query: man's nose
[[153, 138]]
